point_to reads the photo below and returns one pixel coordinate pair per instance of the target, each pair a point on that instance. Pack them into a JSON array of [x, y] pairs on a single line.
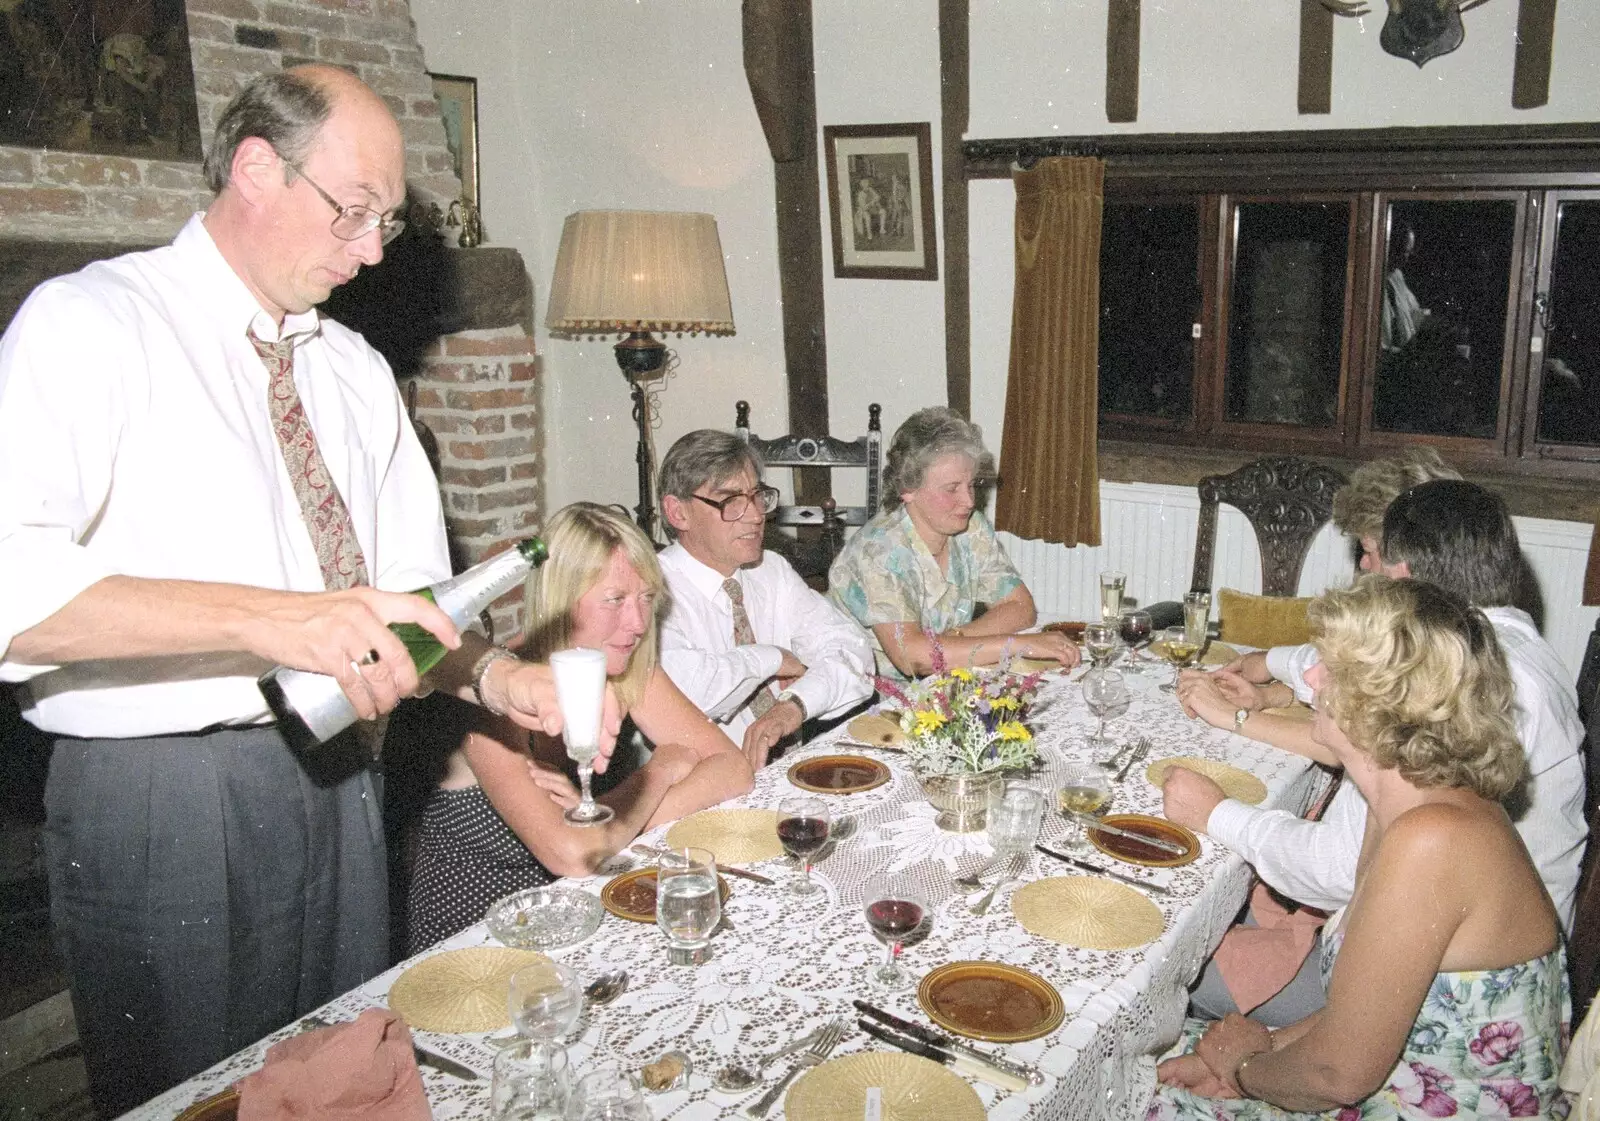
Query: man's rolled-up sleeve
[[1311, 862]]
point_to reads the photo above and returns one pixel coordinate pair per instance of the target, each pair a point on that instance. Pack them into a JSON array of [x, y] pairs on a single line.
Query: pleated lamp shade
[[639, 270]]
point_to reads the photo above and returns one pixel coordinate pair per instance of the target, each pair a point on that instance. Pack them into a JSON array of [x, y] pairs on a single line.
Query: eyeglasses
[[735, 506], [352, 222]]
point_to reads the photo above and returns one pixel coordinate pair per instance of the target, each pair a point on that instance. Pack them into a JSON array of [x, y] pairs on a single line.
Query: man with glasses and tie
[[199, 478], [745, 638]]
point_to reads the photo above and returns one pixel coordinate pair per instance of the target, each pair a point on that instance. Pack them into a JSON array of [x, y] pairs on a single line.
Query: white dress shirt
[[135, 440], [699, 654], [1314, 862]]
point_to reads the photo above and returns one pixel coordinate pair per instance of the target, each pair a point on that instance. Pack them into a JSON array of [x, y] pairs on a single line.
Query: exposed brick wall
[[477, 390], [64, 195]]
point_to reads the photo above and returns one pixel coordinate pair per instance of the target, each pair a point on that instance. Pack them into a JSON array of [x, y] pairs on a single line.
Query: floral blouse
[[886, 574], [1487, 1043]]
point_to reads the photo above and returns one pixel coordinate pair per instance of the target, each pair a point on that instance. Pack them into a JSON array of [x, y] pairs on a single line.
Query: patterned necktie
[[328, 519], [762, 699]]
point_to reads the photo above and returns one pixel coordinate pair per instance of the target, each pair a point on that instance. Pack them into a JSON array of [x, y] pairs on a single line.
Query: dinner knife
[[1088, 821], [982, 1070], [1099, 871], [950, 1043], [445, 1065], [743, 874]]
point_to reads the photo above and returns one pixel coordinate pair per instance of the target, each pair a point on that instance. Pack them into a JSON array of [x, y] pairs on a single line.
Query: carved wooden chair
[[812, 554], [1286, 499]]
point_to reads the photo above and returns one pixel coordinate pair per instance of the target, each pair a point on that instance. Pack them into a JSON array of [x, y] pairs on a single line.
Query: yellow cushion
[[1262, 620]]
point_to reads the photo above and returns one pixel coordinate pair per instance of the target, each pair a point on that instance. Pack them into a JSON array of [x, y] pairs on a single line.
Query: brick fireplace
[[469, 352]]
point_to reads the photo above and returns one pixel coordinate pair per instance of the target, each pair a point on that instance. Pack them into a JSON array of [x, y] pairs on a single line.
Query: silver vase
[[962, 800]]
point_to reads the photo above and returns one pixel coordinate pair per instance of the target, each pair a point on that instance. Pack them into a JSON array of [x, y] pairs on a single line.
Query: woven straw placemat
[[460, 990], [734, 836], [1239, 785], [872, 728], [1087, 913], [912, 1089]]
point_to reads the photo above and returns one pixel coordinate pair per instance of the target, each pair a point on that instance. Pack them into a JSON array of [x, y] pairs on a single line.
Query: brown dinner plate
[[1134, 851], [1073, 630], [838, 774], [221, 1106], [632, 895], [990, 1001]]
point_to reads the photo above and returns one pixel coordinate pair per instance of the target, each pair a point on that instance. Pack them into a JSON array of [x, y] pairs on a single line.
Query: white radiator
[[1149, 531]]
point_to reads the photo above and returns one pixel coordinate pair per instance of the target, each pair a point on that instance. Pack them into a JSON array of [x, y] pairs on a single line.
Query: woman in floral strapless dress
[[1447, 986]]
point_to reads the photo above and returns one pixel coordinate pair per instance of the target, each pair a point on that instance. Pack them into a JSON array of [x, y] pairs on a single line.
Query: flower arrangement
[[964, 721]]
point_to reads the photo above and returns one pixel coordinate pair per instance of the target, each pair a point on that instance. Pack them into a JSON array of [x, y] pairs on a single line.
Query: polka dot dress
[[467, 858]]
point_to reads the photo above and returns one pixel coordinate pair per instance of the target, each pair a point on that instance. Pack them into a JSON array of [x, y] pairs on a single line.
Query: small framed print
[[880, 193], [458, 109]]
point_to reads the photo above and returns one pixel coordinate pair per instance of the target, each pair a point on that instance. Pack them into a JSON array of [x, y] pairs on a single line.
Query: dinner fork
[[1116, 756], [819, 1050], [1013, 870], [972, 881], [1138, 753]]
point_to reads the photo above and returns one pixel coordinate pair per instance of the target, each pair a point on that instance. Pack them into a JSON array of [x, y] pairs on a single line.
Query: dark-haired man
[[745, 638], [199, 477], [1458, 535]]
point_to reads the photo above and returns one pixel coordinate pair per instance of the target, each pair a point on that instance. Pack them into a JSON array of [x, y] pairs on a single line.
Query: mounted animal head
[[1414, 29]]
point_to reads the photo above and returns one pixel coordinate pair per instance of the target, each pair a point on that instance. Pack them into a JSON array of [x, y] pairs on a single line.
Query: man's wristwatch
[[794, 699], [1239, 717]]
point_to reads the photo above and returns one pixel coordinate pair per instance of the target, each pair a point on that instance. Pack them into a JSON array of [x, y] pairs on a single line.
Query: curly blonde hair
[[1417, 680], [1359, 505], [582, 538]]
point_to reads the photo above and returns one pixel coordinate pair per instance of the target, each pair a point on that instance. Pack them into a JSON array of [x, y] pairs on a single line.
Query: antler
[[1351, 8]]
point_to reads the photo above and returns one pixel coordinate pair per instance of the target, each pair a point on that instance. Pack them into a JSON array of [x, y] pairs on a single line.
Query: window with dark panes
[[1443, 316], [1569, 398], [1286, 312], [1149, 303]]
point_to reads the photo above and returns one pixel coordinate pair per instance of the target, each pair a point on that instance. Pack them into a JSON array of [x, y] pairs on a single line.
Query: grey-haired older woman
[[924, 565]]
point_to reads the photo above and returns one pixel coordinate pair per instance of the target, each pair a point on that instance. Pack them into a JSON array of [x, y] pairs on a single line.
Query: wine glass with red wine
[[1135, 633], [894, 906], [803, 825]]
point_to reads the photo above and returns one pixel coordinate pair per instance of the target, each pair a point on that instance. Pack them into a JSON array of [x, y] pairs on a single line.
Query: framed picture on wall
[[880, 193], [458, 108]]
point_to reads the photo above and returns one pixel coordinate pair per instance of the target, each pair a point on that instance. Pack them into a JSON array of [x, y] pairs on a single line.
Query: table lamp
[[632, 272]]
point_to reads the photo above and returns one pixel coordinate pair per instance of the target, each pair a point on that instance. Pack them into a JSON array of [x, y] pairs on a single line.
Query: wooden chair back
[[1286, 499]]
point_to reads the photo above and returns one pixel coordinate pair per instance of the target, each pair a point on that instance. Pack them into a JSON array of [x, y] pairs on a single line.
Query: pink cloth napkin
[[363, 1069], [1256, 962]]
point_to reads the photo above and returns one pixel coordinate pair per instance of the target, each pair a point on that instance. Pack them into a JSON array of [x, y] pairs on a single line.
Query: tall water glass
[[531, 1083], [688, 906], [580, 675], [1015, 811], [1196, 617], [1112, 585]]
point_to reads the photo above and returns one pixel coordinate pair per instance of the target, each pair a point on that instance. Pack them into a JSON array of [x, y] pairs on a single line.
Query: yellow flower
[[929, 721], [1005, 704], [961, 674], [1014, 730]]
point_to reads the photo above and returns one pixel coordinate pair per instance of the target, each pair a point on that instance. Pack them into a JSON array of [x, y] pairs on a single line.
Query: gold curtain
[[1049, 476]]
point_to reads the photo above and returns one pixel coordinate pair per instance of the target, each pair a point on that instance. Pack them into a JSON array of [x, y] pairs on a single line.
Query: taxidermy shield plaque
[[1422, 29]]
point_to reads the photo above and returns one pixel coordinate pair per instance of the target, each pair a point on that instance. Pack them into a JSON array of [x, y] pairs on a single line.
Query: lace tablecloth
[[791, 962]]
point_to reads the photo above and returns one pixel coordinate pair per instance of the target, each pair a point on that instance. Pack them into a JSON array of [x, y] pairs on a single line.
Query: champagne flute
[[803, 825], [1112, 585], [1100, 640], [1106, 694], [1084, 790], [1177, 649], [894, 907], [1197, 618], [580, 675], [688, 903], [1134, 630], [545, 1000]]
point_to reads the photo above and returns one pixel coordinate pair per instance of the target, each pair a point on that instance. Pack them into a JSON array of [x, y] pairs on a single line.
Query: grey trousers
[[206, 890]]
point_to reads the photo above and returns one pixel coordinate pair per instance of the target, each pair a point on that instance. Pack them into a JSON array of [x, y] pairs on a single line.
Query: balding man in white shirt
[[745, 638]]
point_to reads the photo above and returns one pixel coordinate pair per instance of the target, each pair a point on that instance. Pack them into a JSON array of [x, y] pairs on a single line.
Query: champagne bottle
[[311, 707]]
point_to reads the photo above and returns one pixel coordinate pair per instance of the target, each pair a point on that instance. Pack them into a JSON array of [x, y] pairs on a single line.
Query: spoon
[[602, 990], [735, 1078]]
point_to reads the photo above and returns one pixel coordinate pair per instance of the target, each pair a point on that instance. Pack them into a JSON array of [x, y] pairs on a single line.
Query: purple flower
[[1506, 1097], [1496, 1042], [1425, 1087]]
